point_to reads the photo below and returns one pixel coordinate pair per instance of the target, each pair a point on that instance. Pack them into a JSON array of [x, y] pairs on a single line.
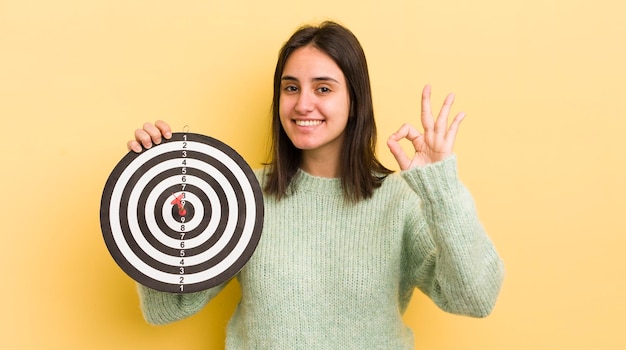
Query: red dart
[[178, 201]]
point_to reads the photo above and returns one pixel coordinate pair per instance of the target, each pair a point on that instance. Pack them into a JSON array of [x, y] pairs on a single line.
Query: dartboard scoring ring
[[182, 216]]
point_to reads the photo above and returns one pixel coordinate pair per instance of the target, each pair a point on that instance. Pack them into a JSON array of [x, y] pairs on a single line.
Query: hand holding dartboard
[[182, 216]]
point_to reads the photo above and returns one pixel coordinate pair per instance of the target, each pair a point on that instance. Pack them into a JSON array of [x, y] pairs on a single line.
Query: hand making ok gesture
[[437, 140]]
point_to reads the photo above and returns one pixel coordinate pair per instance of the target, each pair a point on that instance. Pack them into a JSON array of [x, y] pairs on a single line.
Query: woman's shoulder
[[394, 184], [261, 175]]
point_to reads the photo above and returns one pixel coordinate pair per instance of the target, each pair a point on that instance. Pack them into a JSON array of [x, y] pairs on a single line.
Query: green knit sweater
[[328, 274]]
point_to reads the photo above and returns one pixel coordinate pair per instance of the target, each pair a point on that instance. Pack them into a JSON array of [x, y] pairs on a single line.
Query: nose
[[305, 103]]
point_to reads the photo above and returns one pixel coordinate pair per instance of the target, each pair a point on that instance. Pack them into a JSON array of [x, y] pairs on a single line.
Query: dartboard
[[183, 216]]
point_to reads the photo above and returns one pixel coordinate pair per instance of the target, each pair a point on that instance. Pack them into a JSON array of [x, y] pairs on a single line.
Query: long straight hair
[[360, 170]]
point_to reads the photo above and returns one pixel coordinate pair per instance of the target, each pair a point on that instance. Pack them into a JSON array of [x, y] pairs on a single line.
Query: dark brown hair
[[360, 170]]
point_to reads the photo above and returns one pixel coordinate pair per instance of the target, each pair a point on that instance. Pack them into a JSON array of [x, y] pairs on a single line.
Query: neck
[[320, 165]]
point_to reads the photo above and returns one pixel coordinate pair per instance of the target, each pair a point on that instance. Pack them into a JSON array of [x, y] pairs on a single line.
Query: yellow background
[[542, 81]]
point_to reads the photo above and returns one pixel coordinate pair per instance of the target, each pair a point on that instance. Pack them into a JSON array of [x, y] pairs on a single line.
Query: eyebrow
[[291, 78]]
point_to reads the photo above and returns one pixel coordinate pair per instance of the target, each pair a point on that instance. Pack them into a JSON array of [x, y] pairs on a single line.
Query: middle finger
[[442, 119]]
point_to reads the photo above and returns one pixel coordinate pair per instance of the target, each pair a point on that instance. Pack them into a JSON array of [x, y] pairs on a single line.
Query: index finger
[[164, 127]]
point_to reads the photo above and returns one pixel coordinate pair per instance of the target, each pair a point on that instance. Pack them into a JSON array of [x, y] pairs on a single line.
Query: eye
[[290, 88], [323, 89]]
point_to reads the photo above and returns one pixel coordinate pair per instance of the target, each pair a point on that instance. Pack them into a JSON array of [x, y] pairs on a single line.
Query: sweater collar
[[306, 182]]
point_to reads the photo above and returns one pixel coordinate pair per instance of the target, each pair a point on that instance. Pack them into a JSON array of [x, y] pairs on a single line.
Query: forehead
[[309, 62]]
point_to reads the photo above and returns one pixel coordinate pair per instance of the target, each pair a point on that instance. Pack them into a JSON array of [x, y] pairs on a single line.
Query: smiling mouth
[[308, 122]]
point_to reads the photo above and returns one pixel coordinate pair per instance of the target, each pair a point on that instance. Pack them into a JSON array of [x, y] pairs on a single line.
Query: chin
[[303, 143], [304, 146]]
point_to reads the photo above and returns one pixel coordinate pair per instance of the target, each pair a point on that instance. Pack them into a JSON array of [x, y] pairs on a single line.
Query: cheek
[[342, 106], [339, 110]]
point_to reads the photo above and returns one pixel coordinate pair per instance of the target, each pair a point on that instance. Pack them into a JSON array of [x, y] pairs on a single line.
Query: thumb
[[398, 153]]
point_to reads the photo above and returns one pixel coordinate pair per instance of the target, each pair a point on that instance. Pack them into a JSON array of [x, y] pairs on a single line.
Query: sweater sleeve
[[161, 307], [448, 255]]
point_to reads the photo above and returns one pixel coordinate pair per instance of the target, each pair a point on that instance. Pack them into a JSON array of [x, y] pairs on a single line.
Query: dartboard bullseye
[[182, 216]]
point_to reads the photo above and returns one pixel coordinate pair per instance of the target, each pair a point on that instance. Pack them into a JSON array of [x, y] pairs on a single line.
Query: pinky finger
[[134, 146], [454, 127]]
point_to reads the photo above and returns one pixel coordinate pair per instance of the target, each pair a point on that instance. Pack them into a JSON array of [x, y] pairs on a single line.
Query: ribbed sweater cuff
[[162, 307], [435, 181]]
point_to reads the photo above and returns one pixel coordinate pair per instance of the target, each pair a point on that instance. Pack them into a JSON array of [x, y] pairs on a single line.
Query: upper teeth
[[308, 122]]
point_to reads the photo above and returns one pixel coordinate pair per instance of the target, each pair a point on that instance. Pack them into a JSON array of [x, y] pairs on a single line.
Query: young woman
[[345, 242]]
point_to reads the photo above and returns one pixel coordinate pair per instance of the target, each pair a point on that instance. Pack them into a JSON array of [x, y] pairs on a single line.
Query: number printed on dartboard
[[182, 212]]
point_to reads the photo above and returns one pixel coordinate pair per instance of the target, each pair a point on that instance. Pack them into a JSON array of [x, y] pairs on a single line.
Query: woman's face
[[314, 101]]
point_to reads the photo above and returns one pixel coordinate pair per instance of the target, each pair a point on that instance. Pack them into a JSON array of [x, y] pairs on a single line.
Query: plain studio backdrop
[[541, 149]]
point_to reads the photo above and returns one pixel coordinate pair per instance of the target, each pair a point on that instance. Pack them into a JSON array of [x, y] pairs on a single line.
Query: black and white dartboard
[[183, 216]]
